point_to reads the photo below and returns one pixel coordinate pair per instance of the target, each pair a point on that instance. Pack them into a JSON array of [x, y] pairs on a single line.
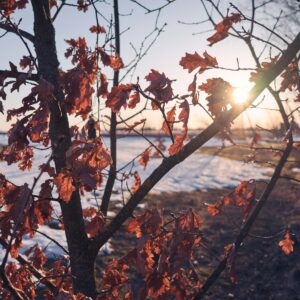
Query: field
[[263, 270]]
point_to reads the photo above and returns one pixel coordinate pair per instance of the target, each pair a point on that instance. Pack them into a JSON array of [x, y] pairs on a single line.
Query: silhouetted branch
[[167, 164]]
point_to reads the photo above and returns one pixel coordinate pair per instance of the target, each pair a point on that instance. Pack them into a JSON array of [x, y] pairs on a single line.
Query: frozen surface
[[198, 172]]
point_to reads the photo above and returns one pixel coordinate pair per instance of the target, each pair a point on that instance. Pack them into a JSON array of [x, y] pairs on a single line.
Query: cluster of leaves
[[33, 126], [162, 258], [54, 275], [20, 214], [243, 195], [9, 7], [85, 162], [164, 253]]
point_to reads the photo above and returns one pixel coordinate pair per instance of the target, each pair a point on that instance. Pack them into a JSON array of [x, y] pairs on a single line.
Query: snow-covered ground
[[198, 172]]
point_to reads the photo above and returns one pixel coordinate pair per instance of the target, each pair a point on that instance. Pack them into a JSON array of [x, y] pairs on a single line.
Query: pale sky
[[164, 56]]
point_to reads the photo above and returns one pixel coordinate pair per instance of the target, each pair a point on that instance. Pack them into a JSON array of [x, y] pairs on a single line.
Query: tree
[[80, 163]]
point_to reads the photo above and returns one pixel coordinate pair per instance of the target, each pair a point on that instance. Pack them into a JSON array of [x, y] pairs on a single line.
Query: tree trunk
[[82, 265]]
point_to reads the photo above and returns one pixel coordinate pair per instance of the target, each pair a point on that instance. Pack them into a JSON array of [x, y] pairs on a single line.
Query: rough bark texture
[[82, 265]]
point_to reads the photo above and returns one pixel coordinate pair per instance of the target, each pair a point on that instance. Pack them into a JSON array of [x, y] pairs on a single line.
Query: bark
[[82, 265], [113, 123]]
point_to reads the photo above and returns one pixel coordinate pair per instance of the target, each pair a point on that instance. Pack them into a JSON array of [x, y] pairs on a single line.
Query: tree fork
[[82, 263]]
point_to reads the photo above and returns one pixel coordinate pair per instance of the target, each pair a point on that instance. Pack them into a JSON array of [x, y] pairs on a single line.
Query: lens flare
[[240, 95]]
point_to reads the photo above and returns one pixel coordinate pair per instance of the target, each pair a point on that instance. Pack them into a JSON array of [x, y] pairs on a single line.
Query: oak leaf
[[64, 183], [118, 97], [144, 159], [170, 119], [97, 29], [193, 89], [184, 114], [287, 244], [223, 27], [178, 143], [219, 95], [160, 86], [193, 61]]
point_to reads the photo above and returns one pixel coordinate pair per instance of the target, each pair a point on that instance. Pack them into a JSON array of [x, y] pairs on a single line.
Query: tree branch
[[36, 273], [113, 126], [10, 74], [248, 224], [21, 32], [168, 163]]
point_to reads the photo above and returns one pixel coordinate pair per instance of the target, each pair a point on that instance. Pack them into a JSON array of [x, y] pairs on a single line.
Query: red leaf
[[25, 62], [137, 181], [193, 88], [189, 221], [160, 86], [158, 284], [64, 183], [219, 95], [26, 159], [118, 97], [287, 244], [102, 91], [193, 61], [213, 209], [43, 208], [223, 27], [184, 114], [170, 119], [97, 29], [47, 168], [116, 63], [291, 77], [178, 143], [265, 66], [144, 159], [95, 221]]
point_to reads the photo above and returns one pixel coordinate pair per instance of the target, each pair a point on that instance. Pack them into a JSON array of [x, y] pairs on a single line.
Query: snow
[[198, 172]]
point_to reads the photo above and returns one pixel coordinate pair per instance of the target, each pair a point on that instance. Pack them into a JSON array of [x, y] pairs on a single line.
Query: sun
[[240, 95]]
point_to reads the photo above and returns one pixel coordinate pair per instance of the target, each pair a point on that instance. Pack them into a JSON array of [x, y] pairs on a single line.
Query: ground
[[263, 270]]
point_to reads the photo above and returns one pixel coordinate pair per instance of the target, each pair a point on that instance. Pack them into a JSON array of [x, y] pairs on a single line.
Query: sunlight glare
[[240, 95]]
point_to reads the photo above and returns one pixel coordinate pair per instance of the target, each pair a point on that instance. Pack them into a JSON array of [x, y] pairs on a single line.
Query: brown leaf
[[219, 95], [64, 184], [223, 27], [137, 182], [97, 29], [178, 143], [170, 119], [160, 86], [144, 159], [287, 244], [184, 114], [193, 61], [193, 88], [118, 97]]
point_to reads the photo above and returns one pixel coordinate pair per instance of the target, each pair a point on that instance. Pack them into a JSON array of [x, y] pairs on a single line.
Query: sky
[[164, 55]]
